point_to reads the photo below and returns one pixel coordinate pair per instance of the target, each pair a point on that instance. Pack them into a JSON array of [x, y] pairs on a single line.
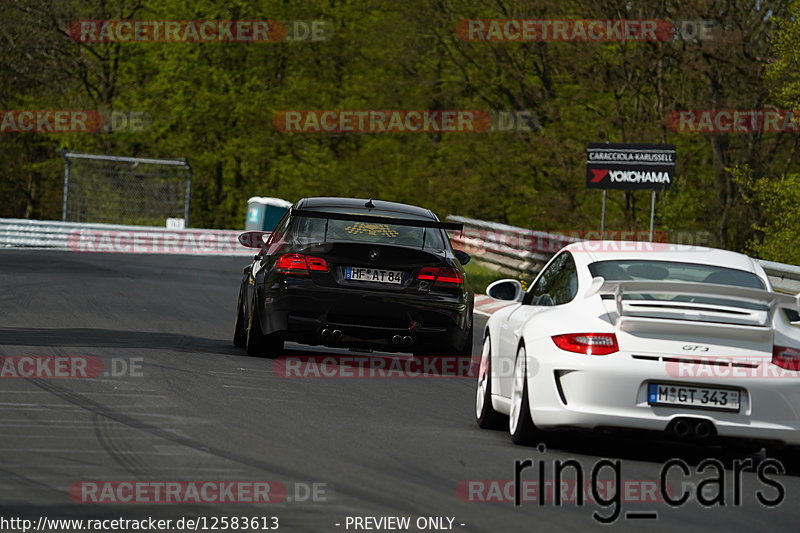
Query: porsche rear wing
[[758, 314], [374, 219]]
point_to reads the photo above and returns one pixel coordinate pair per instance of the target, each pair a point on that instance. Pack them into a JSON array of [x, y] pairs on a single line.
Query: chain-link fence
[[125, 190]]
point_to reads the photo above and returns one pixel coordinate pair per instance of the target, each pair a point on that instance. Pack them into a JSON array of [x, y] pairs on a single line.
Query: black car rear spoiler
[[454, 226]]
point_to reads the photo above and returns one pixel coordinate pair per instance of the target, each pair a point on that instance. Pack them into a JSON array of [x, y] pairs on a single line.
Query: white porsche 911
[[684, 340]]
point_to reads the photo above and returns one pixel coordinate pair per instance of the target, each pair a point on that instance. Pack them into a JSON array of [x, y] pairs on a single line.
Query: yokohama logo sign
[[630, 176], [630, 166]]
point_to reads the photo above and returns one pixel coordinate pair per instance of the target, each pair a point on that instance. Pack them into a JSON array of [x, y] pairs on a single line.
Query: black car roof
[[320, 203]]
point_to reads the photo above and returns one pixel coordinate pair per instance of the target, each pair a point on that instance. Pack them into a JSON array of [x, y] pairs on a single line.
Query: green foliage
[[480, 276], [783, 71], [214, 103], [779, 201]]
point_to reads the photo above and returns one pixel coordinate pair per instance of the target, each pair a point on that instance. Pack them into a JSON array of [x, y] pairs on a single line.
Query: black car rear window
[[306, 230]]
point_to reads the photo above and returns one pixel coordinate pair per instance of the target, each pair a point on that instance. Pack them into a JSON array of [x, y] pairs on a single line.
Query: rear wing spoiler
[[372, 219], [617, 289], [256, 239]]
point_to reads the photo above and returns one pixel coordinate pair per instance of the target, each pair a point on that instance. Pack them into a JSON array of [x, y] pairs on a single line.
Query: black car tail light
[[441, 276], [300, 264]]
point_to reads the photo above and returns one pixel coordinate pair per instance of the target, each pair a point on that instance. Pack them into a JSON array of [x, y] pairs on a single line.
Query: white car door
[[552, 287]]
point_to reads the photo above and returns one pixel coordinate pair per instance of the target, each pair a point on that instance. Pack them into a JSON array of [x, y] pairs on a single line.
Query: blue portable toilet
[[264, 213]]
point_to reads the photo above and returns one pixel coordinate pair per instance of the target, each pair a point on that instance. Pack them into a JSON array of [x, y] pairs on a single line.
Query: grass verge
[[480, 275]]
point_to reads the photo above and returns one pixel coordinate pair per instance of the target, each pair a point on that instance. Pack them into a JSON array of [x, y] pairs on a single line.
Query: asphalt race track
[[190, 406]]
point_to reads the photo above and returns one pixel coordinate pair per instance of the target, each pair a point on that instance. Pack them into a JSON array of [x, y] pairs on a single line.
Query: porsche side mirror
[[506, 289], [462, 256], [253, 239]]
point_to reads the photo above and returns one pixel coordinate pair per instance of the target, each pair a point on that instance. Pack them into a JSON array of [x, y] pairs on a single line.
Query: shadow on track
[[113, 338], [646, 447]]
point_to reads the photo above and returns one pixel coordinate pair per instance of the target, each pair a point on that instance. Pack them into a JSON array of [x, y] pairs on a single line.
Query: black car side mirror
[[254, 239], [462, 256]]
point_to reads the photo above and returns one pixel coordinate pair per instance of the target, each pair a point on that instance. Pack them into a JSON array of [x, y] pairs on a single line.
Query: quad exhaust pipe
[[703, 430], [335, 335], [692, 429], [681, 429], [331, 334], [405, 340]]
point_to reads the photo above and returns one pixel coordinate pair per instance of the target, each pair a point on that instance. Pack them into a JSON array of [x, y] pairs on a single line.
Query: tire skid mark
[[112, 414], [272, 469], [117, 448]]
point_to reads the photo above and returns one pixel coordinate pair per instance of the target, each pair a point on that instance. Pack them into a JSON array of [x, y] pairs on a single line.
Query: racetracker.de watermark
[[177, 492], [585, 30], [71, 121], [199, 242], [734, 121], [198, 31], [404, 121], [374, 366], [608, 246], [565, 491], [475, 240], [720, 367], [68, 367], [197, 492], [50, 121]]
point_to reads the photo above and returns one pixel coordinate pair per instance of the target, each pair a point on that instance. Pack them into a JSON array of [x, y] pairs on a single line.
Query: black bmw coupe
[[359, 274]]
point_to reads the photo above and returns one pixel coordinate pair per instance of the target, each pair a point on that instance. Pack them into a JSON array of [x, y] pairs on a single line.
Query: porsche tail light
[[587, 343], [441, 276], [788, 358], [300, 264]]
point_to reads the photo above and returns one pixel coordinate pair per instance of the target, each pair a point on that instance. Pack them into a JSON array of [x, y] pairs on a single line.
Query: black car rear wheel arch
[[257, 343]]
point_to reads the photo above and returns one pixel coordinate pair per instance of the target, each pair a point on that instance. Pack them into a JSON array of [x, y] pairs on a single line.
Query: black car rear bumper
[[303, 312]]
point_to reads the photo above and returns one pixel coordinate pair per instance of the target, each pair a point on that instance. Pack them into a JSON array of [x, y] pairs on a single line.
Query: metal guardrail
[[508, 249], [522, 252], [511, 250], [114, 238], [783, 277]]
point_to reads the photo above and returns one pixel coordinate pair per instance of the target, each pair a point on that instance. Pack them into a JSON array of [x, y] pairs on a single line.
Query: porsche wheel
[[520, 423]]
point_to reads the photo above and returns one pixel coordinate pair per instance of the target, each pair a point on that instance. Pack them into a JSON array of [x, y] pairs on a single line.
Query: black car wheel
[[239, 323], [259, 344], [464, 349]]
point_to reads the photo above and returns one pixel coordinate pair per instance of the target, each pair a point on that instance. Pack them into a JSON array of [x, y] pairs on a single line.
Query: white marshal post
[[603, 216], [652, 213]]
